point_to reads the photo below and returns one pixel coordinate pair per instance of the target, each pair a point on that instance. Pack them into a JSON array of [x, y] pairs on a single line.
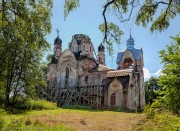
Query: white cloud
[[148, 74], [157, 73]]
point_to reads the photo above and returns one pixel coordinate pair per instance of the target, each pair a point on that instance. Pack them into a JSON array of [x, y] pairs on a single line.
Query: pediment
[[67, 58], [115, 85]]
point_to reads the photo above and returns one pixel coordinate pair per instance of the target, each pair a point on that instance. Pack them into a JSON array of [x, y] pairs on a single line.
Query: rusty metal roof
[[100, 67], [117, 73]]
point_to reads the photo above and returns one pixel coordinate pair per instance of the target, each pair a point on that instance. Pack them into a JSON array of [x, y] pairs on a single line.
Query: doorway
[[113, 99]]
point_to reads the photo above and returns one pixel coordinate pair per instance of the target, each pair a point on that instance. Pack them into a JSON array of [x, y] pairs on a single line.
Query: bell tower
[[57, 46], [101, 54]]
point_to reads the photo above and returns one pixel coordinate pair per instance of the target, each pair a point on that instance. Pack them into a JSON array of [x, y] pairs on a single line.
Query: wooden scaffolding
[[91, 95]]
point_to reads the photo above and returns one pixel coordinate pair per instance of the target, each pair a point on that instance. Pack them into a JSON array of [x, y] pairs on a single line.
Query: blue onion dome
[[130, 43], [57, 40], [101, 47]]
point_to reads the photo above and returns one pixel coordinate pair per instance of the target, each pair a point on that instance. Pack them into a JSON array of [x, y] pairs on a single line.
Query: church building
[[77, 76]]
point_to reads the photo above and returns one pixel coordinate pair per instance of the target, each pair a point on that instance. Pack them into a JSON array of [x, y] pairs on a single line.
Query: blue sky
[[88, 17]]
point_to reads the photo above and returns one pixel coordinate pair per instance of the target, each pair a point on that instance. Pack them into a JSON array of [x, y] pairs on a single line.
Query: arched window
[[67, 76], [127, 62]]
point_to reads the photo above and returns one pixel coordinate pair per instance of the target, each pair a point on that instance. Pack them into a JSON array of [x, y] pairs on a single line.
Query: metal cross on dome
[[57, 32]]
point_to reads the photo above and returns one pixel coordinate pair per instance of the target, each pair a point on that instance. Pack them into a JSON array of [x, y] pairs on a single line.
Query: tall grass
[[42, 104], [158, 119], [23, 105]]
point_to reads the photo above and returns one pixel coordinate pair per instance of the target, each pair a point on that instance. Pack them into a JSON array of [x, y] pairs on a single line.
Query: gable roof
[[136, 53]]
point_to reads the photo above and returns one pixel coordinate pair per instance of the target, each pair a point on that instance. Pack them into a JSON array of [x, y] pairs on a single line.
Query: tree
[[23, 26], [151, 89], [170, 80], [124, 9]]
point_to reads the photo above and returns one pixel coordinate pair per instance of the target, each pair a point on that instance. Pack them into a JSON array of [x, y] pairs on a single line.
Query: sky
[[86, 20]]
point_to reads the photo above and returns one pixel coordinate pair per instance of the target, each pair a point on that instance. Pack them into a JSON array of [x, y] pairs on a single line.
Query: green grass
[[27, 122], [86, 119], [20, 105], [42, 104], [161, 121]]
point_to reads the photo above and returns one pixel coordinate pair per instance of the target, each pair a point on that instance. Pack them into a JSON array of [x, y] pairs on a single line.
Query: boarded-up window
[[113, 99]]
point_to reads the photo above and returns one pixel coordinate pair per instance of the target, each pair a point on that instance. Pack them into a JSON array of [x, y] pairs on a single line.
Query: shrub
[[149, 111], [20, 105], [42, 104]]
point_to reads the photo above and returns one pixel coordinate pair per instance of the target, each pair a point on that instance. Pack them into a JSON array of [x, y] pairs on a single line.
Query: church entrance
[[113, 99]]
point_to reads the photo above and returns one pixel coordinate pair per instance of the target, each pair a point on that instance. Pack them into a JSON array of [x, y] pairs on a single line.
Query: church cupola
[[101, 54], [101, 47], [130, 43], [57, 46], [57, 41], [81, 46]]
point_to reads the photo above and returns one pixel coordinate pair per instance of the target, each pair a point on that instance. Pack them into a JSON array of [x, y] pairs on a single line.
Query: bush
[[149, 111], [20, 105], [42, 104]]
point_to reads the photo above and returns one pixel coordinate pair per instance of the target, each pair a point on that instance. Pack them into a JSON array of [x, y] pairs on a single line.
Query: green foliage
[[113, 36], [151, 89], [123, 10], [159, 118], [170, 80], [148, 11], [18, 105], [1, 123], [42, 105], [23, 25], [21, 105], [69, 6], [161, 121], [50, 57], [149, 111]]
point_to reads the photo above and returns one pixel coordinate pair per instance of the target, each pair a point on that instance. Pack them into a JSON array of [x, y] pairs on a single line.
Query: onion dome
[[57, 40], [130, 43], [101, 47]]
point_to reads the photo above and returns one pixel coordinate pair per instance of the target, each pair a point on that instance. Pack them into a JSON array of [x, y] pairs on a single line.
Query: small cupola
[[57, 46], [101, 54], [101, 47], [130, 43], [57, 40]]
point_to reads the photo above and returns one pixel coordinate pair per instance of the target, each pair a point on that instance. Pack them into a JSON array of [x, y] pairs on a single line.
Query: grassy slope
[[89, 120], [84, 120]]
